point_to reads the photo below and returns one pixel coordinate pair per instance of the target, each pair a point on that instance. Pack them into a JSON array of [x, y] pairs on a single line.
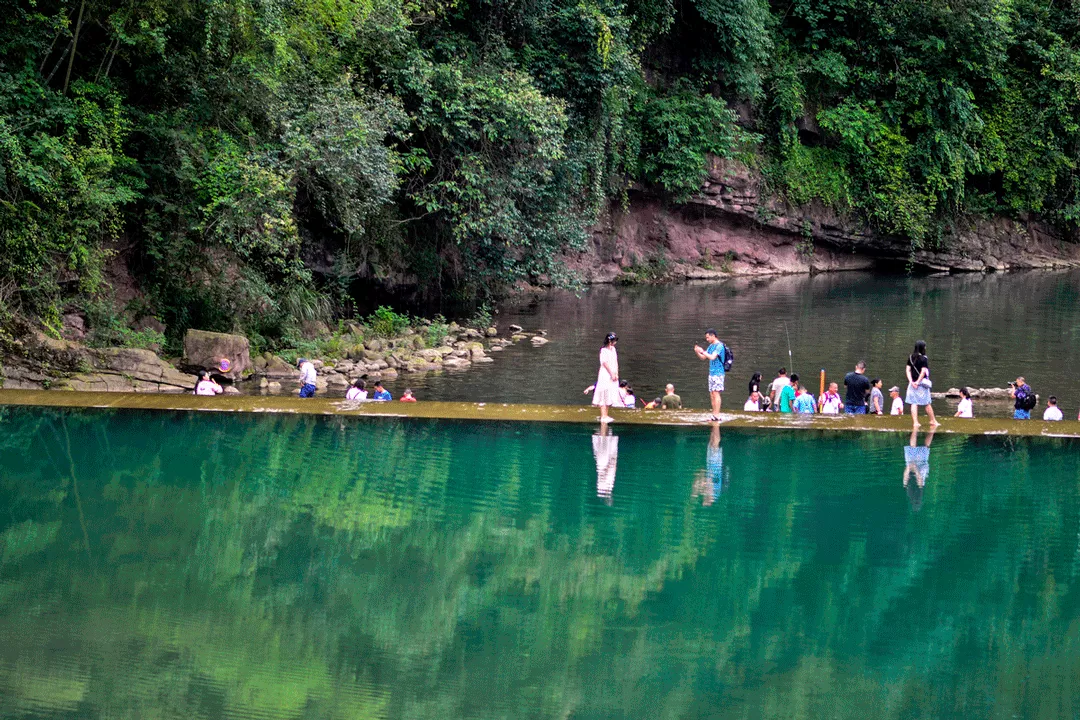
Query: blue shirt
[[382, 395], [716, 365], [805, 404]]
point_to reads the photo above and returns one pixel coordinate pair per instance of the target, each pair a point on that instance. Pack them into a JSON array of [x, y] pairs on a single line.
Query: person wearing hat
[[897, 401], [307, 377]]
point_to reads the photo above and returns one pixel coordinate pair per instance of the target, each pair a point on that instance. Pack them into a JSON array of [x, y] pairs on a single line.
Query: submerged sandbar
[[521, 413]]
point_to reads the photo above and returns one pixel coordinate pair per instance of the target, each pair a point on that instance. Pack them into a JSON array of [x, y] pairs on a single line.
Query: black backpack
[[729, 357], [1029, 401]]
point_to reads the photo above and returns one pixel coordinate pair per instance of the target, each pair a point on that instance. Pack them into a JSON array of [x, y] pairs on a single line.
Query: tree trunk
[[74, 46]]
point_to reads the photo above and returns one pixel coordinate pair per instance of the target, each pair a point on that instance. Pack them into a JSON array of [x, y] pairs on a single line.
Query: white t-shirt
[[777, 385], [964, 408], [897, 406], [831, 404], [1052, 413], [205, 387], [751, 405], [356, 394], [307, 374]]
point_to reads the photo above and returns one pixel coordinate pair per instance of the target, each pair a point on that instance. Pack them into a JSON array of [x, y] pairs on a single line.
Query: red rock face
[[732, 228]]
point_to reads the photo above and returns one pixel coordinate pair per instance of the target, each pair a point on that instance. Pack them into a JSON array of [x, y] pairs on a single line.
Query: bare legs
[[604, 418], [929, 413], [714, 395]]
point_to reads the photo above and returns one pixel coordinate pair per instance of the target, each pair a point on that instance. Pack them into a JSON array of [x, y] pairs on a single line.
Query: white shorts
[[716, 383]]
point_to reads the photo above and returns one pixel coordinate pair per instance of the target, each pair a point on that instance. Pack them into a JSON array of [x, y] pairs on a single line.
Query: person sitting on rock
[[307, 377], [206, 385], [358, 391], [626, 394], [381, 394], [407, 396]]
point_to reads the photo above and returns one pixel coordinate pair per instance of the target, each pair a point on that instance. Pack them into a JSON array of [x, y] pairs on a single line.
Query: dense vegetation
[[252, 161]]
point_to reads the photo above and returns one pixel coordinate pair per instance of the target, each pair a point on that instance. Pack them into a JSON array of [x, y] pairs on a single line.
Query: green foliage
[[252, 161], [385, 322], [651, 269], [680, 129], [108, 328], [436, 332]]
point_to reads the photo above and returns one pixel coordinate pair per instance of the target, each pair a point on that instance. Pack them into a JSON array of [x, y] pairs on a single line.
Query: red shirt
[[408, 399]]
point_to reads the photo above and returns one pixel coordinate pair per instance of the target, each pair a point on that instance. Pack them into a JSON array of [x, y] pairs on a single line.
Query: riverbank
[[36, 361], [736, 227], [504, 412]]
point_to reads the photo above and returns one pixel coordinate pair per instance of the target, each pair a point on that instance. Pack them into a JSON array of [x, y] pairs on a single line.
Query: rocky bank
[[734, 227], [36, 361]]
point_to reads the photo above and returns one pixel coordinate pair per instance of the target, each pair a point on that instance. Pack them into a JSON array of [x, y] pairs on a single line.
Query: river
[[232, 567], [981, 331]]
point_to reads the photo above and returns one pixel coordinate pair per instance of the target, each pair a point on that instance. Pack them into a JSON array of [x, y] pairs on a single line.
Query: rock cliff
[[734, 227]]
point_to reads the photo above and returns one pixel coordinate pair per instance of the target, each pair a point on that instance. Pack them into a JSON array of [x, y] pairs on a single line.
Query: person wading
[[606, 392], [858, 387]]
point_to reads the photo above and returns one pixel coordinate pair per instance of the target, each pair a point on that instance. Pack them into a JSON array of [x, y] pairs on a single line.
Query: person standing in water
[[716, 354], [307, 377], [606, 392], [918, 392]]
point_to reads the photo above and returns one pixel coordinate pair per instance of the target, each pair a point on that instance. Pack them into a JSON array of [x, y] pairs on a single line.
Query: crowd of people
[[790, 394], [787, 394]]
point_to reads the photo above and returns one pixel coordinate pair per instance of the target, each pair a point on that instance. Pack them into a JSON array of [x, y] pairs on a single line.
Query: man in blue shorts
[[716, 353]]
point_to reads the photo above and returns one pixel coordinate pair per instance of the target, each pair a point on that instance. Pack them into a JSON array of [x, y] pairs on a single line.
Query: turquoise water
[[159, 565]]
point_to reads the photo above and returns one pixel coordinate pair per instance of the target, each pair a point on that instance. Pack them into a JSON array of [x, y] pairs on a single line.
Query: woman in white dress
[[606, 392]]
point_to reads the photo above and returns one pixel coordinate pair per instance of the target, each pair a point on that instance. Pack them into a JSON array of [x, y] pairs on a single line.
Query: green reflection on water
[[190, 565]]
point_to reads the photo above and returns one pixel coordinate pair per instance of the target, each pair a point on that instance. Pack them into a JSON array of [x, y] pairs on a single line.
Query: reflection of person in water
[[710, 482], [605, 447], [917, 463]]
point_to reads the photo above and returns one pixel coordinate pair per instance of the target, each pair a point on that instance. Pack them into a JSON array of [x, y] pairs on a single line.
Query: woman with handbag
[[919, 384]]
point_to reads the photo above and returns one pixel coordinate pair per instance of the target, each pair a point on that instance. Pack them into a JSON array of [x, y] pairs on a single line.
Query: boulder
[[518, 337], [537, 341], [279, 369], [515, 329], [205, 351], [74, 326], [312, 329], [456, 363], [144, 366], [492, 331], [230, 390], [477, 353], [374, 344]]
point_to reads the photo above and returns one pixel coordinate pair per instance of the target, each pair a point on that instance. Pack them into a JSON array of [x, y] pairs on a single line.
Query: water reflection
[[223, 567], [605, 447], [709, 482], [917, 467]]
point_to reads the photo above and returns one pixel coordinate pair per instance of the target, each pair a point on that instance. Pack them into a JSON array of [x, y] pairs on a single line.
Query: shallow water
[[224, 566], [982, 331]]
